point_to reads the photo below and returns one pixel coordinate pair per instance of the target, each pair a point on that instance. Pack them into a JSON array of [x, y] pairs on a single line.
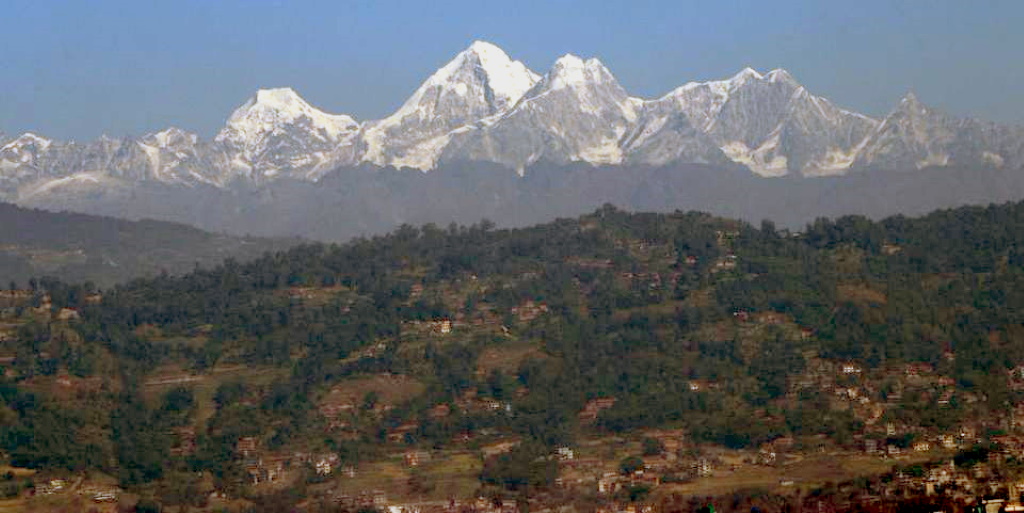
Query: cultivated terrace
[[617, 362]]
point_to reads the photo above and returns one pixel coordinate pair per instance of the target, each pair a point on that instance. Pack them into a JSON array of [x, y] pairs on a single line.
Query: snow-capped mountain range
[[484, 106]]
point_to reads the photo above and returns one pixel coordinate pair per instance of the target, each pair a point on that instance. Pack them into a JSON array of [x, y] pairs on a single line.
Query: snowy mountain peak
[[568, 61], [572, 71], [281, 96], [767, 122], [481, 81], [270, 110], [910, 103], [507, 79], [915, 136], [28, 139], [577, 113], [487, 52], [780, 75], [171, 136], [483, 106], [25, 149], [276, 132], [483, 65], [745, 75], [481, 46], [911, 111]]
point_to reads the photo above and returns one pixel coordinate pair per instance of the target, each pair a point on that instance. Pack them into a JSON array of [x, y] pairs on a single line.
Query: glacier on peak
[[779, 75], [508, 79], [572, 71], [170, 136], [745, 74], [483, 69], [277, 133], [767, 122], [576, 112], [482, 105], [28, 139], [588, 82], [480, 82], [914, 135], [272, 109]]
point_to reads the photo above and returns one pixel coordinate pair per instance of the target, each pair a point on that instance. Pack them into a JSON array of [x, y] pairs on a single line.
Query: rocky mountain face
[[577, 113], [769, 123], [483, 106], [32, 166], [480, 82], [914, 136], [276, 133]]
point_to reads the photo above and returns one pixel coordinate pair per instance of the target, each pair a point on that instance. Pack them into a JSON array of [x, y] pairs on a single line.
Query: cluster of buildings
[[983, 486], [97, 493], [263, 468], [365, 500]]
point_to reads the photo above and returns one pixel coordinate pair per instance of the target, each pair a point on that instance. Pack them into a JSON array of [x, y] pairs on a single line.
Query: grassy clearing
[[665, 308], [313, 296], [387, 475], [391, 389], [807, 473], [506, 358], [445, 475], [859, 293], [456, 475], [204, 386]]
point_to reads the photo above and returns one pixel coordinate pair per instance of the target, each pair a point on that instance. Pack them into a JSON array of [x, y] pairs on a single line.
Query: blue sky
[[79, 69]]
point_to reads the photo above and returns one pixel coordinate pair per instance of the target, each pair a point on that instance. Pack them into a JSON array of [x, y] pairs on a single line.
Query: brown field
[[804, 473], [391, 389], [204, 386], [17, 471], [506, 358], [859, 293], [665, 308], [447, 474], [13, 505], [312, 296]]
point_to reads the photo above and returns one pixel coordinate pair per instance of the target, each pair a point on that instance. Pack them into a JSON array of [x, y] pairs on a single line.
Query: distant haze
[[75, 70]]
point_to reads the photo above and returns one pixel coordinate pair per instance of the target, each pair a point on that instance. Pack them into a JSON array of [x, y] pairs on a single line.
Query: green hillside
[[105, 251], [455, 362]]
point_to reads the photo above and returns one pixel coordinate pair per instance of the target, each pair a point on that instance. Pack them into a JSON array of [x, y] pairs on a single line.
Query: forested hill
[[679, 320], [78, 247]]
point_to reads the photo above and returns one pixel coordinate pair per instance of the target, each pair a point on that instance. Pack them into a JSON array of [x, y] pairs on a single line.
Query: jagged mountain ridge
[[277, 132], [483, 106], [577, 112], [480, 82], [915, 136]]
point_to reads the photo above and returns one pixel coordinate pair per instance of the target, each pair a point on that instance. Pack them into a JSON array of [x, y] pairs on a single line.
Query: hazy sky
[[78, 69]]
